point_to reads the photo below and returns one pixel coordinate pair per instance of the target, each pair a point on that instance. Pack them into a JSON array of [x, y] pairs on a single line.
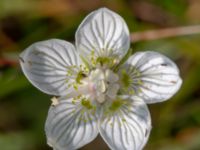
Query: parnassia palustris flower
[[96, 93]]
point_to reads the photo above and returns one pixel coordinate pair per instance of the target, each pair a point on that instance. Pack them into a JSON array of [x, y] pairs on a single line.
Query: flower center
[[103, 84]]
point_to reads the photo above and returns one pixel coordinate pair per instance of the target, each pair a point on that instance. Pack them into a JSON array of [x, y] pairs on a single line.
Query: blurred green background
[[23, 108]]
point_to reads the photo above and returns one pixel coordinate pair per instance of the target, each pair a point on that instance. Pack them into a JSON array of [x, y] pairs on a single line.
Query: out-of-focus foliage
[[23, 109]]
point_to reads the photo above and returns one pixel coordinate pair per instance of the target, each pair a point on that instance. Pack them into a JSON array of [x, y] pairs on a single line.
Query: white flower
[[95, 92]]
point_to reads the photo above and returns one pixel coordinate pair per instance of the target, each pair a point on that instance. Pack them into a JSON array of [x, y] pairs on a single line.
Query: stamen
[[80, 76], [104, 84]]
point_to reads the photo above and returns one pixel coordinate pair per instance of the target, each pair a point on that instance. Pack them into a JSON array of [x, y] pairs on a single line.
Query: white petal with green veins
[[71, 124], [153, 77], [51, 66], [103, 33], [126, 124]]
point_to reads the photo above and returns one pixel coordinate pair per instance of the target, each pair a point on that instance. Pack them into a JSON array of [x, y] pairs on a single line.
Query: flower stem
[[164, 33]]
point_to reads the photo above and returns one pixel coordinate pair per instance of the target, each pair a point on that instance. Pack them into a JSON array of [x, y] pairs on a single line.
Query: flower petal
[[103, 33], [51, 66], [126, 124], [151, 76], [71, 124]]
